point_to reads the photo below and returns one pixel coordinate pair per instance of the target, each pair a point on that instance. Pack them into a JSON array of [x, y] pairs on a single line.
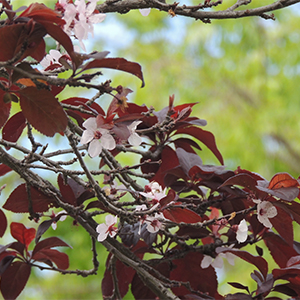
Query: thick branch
[[125, 6]]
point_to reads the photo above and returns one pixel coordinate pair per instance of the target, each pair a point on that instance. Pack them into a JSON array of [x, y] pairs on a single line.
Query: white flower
[[218, 261], [61, 218], [107, 228], [85, 19], [145, 11], [153, 224], [265, 211], [154, 191], [134, 139], [53, 59], [242, 232], [97, 137]]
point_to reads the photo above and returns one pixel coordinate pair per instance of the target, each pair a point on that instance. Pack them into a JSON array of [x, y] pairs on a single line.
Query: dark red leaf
[[60, 259], [178, 215], [41, 13], [13, 128], [188, 269], [279, 248], [22, 234], [283, 223], [4, 169], [66, 191], [293, 208], [48, 243], [285, 289], [169, 198], [4, 109], [286, 273], [239, 286], [3, 223], [125, 275], [6, 259], [282, 180], [43, 111], [18, 202], [169, 161], [43, 227], [243, 180], [206, 137], [117, 64], [186, 144], [14, 36], [142, 292], [14, 279]]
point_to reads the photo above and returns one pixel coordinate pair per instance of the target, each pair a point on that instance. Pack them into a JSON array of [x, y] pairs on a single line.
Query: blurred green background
[[245, 75]]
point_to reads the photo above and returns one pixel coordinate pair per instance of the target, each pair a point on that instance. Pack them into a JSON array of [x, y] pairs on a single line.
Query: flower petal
[[108, 142], [95, 148]]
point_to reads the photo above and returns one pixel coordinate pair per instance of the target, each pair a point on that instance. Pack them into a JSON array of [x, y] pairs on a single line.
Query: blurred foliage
[[245, 75]]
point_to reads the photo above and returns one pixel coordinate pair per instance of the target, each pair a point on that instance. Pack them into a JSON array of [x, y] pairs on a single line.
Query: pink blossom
[[153, 222], [57, 218], [145, 11], [98, 137], [242, 231], [154, 191], [107, 228], [80, 18], [53, 60], [134, 139], [265, 211], [217, 262]]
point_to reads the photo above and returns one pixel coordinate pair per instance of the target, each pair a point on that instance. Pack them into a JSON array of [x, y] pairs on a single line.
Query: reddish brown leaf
[[22, 234], [41, 13], [188, 269], [117, 64], [169, 161], [14, 36], [14, 279], [206, 137], [4, 169], [14, 127], [282, 180], [124, 274], [66, 191], [3, 223], [60, 259], [178, 215], [43, 111], [279, 248], [18, 202], [4, 109], [168, 199], [283, 223], [140, 290], [47, 244]]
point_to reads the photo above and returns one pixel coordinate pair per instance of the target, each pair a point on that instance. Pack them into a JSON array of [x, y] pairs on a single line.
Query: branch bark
[[125, 6]]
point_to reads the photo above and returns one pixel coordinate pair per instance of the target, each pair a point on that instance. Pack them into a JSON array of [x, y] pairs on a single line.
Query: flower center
[[97, 135]]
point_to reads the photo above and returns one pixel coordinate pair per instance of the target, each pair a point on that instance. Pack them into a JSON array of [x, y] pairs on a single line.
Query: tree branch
[[125, 6]]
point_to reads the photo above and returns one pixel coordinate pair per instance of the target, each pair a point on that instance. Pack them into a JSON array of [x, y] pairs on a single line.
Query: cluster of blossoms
[[154, 193], [80, 18], [99, 137]]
